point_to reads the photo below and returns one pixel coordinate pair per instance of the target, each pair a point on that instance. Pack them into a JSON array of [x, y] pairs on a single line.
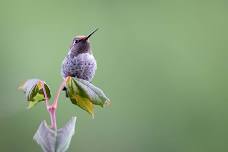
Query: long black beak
[[91, 34]]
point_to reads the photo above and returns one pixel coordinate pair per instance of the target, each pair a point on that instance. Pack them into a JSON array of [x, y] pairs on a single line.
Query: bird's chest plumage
[[82, 66]]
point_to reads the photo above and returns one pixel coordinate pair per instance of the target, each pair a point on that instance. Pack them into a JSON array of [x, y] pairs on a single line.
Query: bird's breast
[[82, 66]]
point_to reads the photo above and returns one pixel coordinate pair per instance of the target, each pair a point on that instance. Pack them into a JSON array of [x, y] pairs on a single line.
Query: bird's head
[[81, 44]]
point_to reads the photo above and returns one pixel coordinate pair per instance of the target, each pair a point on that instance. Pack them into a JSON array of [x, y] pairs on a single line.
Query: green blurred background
[[163, 64]]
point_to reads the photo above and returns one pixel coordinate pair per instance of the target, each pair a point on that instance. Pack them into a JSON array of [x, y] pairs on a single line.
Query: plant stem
[[55, 103], [52, 108], [45, 95], [52, 113]]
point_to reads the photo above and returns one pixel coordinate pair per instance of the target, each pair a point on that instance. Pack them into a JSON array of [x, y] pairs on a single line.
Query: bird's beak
[[91, 34]]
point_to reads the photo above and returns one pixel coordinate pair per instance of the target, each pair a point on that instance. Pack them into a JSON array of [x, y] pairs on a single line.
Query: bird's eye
[[76, 41]]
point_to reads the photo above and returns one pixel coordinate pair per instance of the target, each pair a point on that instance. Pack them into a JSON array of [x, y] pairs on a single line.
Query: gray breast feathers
[[82, 66]]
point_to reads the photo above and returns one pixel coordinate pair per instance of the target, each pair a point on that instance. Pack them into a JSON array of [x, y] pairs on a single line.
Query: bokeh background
[[163, 63]]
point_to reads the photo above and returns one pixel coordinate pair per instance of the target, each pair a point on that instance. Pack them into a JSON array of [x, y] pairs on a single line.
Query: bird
[[80, 61]]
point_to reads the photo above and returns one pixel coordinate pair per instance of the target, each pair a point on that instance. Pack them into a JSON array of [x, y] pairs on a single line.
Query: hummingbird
[[80, 62]]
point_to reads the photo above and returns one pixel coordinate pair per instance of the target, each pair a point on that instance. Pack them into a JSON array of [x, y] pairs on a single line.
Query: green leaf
[[95, 94], [52, 140], [84, 94], [34, 91]]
